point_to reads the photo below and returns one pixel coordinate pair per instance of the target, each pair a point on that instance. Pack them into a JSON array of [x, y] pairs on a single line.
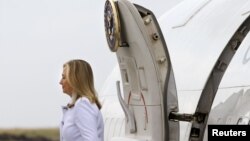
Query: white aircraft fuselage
[[179, 75]]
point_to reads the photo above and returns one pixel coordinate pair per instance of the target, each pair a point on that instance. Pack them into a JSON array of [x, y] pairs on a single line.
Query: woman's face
[[64, 82]]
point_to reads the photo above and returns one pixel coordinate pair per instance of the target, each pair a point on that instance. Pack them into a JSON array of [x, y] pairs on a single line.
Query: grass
[[49, 133]]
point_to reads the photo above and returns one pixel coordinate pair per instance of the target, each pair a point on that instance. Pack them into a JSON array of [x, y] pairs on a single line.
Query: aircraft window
[[243, 121]]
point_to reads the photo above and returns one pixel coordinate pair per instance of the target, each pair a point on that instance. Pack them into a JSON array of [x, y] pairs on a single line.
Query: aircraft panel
[[195, 47]]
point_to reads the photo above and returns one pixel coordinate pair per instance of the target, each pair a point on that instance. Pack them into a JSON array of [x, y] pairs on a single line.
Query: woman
[[82, 119]]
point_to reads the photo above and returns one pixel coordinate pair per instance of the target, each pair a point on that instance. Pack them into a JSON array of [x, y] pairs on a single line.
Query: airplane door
[[200, 117], [149, 90]]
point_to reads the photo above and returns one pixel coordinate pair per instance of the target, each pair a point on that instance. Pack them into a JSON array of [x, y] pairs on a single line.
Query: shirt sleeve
[[86, 120]]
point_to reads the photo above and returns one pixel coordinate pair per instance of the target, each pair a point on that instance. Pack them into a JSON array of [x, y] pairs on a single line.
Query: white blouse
[[83, 122]]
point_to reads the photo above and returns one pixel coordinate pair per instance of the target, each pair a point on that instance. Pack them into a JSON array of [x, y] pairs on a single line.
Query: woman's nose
[[60, 82]]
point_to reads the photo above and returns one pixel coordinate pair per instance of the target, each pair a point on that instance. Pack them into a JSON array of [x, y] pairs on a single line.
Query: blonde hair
[[80, 77]]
